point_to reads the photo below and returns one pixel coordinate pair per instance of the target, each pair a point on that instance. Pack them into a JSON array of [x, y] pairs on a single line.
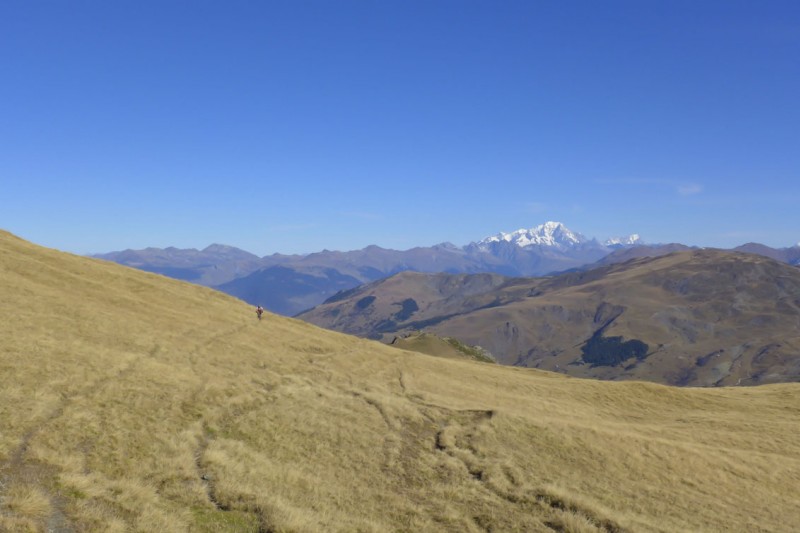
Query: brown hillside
[[132, 402], [708, 317]]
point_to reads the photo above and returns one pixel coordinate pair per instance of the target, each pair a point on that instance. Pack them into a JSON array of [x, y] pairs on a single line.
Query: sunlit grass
[[131, 402]]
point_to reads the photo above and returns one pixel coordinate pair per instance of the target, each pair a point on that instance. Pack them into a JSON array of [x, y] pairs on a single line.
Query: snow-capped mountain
[[619, 242], [554, 234]]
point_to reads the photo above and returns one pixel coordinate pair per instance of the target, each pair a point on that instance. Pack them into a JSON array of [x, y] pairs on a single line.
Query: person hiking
[[259, 311]]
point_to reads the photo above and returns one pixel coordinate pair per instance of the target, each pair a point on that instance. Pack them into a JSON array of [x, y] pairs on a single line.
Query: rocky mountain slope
[[787, 255], [700, 318]]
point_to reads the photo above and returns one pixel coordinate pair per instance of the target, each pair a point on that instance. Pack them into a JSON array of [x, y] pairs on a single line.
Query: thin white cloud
[[690, 189], [680, 187]]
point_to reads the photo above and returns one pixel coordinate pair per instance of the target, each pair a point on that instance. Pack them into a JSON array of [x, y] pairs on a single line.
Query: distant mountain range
[[696, 317], [290, 284]]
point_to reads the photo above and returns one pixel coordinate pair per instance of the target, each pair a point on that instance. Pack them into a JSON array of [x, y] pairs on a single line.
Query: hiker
[[259, 311]]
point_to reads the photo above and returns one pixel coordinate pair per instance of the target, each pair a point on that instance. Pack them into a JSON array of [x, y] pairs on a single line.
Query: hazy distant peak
[[228, 252], [550, 233], [219, 248]]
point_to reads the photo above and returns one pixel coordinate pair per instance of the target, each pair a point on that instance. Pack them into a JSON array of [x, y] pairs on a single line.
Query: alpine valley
[[545, 297]]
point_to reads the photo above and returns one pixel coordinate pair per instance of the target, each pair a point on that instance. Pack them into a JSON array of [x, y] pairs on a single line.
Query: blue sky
[[302, 125]]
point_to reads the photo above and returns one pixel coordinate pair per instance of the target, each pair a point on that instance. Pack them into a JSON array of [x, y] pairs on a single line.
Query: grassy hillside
[[441, 347], [132, 402]]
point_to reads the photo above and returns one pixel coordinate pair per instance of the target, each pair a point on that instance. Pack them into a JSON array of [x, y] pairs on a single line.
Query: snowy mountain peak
[[630, 240], [553, 234]]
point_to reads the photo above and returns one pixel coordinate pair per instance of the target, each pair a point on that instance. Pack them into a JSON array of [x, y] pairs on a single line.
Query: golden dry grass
[[132, 402], [441, 347]]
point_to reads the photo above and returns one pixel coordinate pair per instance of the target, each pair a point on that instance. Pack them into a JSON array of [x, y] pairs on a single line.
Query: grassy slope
[[440, 347], [132, 402]]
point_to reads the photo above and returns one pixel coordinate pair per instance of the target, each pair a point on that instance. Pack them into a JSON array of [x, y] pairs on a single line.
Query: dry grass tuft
[[23, 504], [26, 501]]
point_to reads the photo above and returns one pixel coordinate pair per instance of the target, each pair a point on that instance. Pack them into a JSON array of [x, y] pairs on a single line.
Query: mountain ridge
[[743, 308], [542, 250]]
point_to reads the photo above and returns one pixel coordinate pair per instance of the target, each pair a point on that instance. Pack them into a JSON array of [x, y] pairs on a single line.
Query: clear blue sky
[[301, 125]]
